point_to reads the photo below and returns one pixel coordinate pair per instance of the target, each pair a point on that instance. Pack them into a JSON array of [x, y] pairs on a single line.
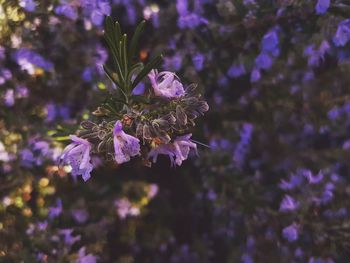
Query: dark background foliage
[[272, 187]]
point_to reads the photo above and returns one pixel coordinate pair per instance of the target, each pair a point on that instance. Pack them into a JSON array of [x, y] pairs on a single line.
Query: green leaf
[[135, 68], [117, 31], [109, 74], [115, 57], [124, 54], [151, 65], [135, 40]]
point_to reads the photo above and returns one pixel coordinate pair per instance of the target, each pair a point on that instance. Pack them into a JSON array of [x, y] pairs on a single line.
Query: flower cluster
[[154, 123]]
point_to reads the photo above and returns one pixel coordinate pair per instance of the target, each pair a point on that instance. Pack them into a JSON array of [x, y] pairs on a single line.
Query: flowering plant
[[127, 125]]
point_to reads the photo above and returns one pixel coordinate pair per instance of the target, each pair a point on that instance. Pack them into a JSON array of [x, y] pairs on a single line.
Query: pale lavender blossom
[[125, 208], [125, 145], [85, 258], [322, 6], [67, 10], [77, 155], [28, 5], [80, 215], [294, 181], [270, 41], [198, 61], [342, 35], [177, 151], [9, 98], [291, 232], [69, 239], [288, 204], [55, 211], [236, 70], [313, 179], [152, 191], [166, 84]]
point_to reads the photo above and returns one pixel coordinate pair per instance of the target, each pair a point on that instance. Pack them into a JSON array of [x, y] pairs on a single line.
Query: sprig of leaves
[[126, 72]]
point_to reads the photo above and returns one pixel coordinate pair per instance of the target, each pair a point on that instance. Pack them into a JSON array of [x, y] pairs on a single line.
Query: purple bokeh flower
[[85, 258], [342, 35], [322, 6], [288, 204], [28, 59], [263, 61], [198, 61], [291, 232], [67, 10], [236, 71], [125, 145], [28, 5]]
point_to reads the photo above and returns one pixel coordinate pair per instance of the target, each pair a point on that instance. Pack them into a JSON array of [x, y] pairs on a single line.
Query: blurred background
[[273, 186]]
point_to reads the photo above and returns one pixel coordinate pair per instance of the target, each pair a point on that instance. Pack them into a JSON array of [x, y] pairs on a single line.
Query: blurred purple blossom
[[28, 60], [263, 61], [322, 6], [55, 211], [28, 5], [198, 61], [67, 10], [85, 258], [342, 35], [236, 70], [291, 232], [288, 204]]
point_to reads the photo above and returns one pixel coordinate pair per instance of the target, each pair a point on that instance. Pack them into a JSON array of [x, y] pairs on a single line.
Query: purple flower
[[55, 211], [288, 204], [9, 97], [67, 11], [174, 62], [139, 89], [294, 181], [181, 6], [83, 258], [322, 6], [255, 75], [28, 5], [291, 232], [125, 145], [313, 179], [68, 237], [242, 146], [80, 215], [28, 60], [77, 154], [198, 61], [166, 84], [269, 42], [125, 208], [177, 151], [191, 21], [263, 61], [342, 36], [236, 70]]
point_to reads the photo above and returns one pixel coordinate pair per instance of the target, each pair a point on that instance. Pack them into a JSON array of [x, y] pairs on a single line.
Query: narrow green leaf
[[134, 69], [109, 74], [115, 57], [151, 65], [135, 40], [124, 54], [117, 31]]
